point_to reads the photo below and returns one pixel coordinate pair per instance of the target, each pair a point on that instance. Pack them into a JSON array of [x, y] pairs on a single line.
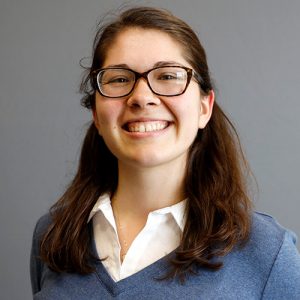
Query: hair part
[[218, 210]]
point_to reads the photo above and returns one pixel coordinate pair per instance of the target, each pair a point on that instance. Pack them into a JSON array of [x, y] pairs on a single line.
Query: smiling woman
[[158, 208]]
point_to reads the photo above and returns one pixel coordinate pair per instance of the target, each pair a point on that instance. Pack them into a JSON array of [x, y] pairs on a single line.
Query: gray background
[[253, 51]]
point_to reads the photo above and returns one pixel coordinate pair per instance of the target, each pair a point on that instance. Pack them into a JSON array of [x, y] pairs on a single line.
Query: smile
[[148, 126]]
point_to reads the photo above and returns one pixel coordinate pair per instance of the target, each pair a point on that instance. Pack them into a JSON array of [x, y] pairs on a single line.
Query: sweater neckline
[[156, 271]]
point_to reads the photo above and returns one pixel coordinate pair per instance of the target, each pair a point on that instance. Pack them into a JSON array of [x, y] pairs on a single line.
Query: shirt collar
[[103, 203], [177, 210]]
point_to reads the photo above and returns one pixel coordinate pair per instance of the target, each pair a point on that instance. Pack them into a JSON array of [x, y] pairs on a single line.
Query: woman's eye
[[167, 77], [117, 80]]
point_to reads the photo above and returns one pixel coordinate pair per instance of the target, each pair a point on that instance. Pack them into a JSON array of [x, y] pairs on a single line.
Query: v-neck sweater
[[267, 267], [160, 236]]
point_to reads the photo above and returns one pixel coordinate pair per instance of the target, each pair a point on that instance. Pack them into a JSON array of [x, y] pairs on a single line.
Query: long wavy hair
[[218, 209]]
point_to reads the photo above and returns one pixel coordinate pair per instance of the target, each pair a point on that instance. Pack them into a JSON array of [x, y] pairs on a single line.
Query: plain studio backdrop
[[253, 51]]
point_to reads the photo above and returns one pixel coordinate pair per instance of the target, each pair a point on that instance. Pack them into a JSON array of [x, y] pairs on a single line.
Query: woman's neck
[[142, 190]]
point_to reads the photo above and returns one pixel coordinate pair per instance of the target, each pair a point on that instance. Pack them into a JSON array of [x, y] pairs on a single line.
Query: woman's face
[[122, 121]]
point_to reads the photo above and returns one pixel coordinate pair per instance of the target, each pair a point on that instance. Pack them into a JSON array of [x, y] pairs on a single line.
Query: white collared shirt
[[160, 236]]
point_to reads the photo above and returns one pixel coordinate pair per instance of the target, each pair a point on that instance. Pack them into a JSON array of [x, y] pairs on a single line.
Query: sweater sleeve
[[284, 277]]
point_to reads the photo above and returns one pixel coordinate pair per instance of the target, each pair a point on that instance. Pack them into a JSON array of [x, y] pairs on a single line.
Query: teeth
[[147, 126]]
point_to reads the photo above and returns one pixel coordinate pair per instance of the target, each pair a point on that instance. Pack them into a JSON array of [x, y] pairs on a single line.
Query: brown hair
[[218, 210]]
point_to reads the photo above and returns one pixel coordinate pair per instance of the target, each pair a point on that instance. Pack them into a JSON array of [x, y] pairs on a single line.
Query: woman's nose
[[142, 96]]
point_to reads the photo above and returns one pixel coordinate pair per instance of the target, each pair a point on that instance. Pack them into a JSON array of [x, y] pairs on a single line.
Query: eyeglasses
[[163, 81]]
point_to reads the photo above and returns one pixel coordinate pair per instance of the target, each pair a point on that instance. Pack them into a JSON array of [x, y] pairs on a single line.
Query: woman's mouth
[[148, 126]]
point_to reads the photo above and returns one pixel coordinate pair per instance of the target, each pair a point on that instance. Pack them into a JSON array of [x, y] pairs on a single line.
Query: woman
[[158, 208]]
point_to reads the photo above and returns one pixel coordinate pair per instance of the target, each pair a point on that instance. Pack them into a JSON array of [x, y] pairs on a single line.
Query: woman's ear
[[206, 106]]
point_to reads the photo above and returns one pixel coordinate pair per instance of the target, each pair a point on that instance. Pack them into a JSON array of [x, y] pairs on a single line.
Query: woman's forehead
[[143, 47]]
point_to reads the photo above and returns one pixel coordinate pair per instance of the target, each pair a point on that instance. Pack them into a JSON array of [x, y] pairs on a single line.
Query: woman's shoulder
[[41, 225], [267, 233], [268, 238], [36, 265], [264, 224], [272, 251]]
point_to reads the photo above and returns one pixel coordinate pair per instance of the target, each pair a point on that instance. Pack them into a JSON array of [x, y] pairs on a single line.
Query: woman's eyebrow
[[118, 66], [157, 64], [166, 63]]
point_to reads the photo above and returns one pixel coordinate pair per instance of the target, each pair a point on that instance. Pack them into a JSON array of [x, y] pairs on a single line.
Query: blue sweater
[[268, 267]]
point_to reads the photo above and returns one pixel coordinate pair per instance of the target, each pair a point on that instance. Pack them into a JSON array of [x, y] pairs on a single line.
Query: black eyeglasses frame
[[190, 73]]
